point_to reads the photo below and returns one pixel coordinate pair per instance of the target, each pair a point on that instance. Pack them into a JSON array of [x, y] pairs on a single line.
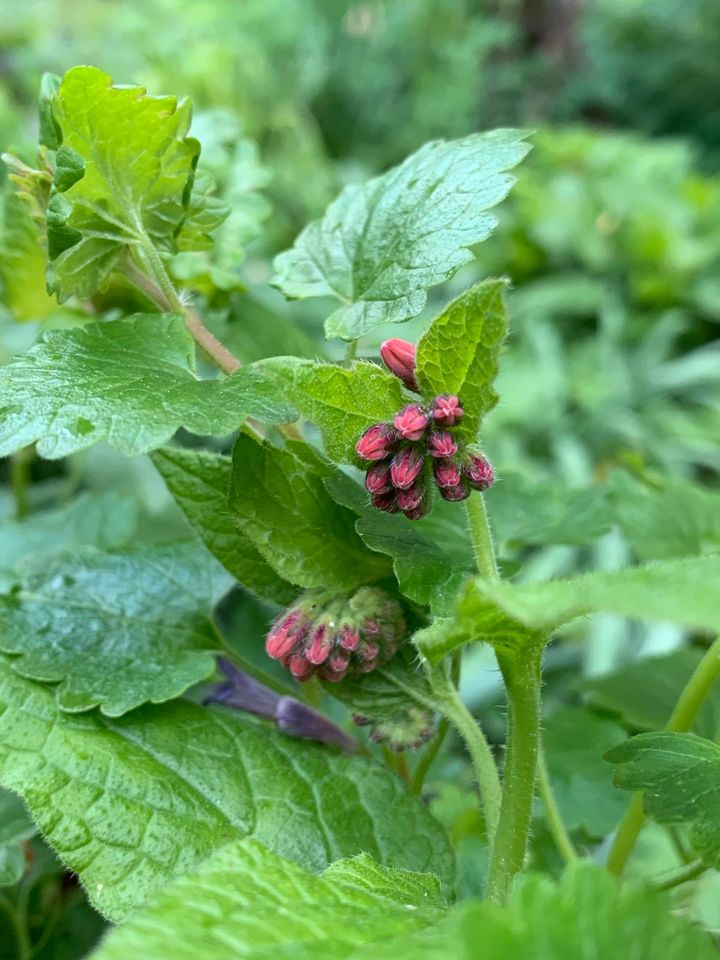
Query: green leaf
[[342, 401], [281, 505], [115, 629], [130, 382], [514, 616], [12, 864], [130, 803], [15, 826], [460, 351], [679, 774], [22, 263], [124, 178], [200, 484], [103, 520], [574, 741], [255, 904], [382, 245], [644, 692]]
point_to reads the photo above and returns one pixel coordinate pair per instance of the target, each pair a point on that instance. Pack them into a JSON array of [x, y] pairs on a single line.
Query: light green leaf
[[22, 263], [115, 629], [124, 177], [574, 740], [342, 401], [255, 904], [12, 864], [130, 803], [644, 692], [460, 351], [382, 245], [103, 520], [513, 616], [679, 774], [200, 484], [282, 506], [130, 382]]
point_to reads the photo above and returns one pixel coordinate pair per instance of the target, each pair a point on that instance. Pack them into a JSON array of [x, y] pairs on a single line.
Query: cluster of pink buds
[[335, 635], [419, 446]]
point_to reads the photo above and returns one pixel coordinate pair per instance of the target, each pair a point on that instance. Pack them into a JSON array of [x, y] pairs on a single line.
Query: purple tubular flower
[[377, 442], [298, 720], [441, 444], [377, 479], [453, 494], [411, 422], [447, 473], [385, 502], [405, 467], [447, 410], [243, 692], [400, 358], [478, 472]]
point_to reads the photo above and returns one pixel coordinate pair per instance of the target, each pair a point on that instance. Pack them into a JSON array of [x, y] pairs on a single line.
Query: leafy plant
[[332, 544]]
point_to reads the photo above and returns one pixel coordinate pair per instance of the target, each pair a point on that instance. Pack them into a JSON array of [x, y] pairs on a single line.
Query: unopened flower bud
[[408, 729], [406, 467], [441, 444], [412, 497], [377, 442], [385, 502], [400, 357], [418, 512], [286, 632], [447, 473], [447, 410], [411, 422], [377, 479], [319, 645], [478, 472], [453, 494]]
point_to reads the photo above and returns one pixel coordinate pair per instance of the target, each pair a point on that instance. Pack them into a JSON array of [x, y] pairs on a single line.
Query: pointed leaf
[[381, 246]]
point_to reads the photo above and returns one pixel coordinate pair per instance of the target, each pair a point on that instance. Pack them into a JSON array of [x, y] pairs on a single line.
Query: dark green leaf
[[380, 246]]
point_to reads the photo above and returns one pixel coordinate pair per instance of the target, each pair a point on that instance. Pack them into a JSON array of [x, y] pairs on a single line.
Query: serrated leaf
[[574, 741], [200, 484], [342, 401], [115, 630], [255, 904], [382, 245], [282, 506], [124, 177], [460, 351], [679, 774], [130, 803], [130, 382], [513, 617], [644, 692]]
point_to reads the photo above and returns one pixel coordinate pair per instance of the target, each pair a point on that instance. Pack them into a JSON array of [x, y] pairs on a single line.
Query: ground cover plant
[[224, 726]]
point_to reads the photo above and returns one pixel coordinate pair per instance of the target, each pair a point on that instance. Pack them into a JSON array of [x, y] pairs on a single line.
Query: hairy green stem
[[522, 681], [20, 463], [486, 774], [685, 873], [555, 822], [428, 757], [681, 720], [481, 536]]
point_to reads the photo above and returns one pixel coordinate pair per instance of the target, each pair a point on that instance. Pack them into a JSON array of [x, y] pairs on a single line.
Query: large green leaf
[[129, 382], [679, 774], [514, 616], [200, 483], [15, 826], [342, 401], [280, 503], [354, 902], [124, 178], [460, 351], [115, 629], [130, 803], [380, 246]]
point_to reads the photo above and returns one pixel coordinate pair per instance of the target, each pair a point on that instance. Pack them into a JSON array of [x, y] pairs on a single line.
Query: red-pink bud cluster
[[335, 635], [400, 453]]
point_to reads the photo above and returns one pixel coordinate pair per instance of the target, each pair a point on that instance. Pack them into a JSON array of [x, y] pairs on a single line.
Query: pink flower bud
[[300, 667], [460, 492], [377, 442], [350, 638], [369, 651], [417, 513], [385, 502], [406, 467], [446, 410], [441, 444], [400, 357], [377, 479], [412, 497], [411, 422], [285, 634], [447, 473], [478, 472], [319, 645]]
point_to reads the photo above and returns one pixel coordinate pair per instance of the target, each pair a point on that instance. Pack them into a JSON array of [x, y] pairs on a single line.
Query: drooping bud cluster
[[407, 730], [335, 636]]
